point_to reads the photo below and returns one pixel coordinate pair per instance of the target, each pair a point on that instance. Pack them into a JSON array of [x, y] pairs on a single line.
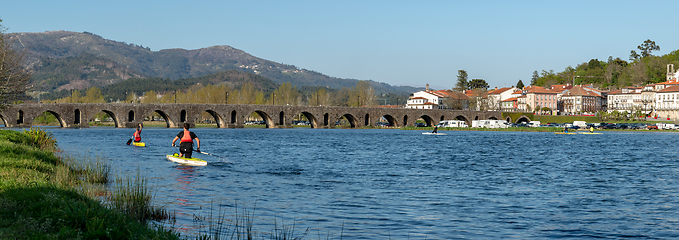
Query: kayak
[[431, 133], [569, 133], [139, 144], [590, 133], [186, 161]]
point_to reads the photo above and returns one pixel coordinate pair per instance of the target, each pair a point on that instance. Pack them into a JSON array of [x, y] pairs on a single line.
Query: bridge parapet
[[129, 115]]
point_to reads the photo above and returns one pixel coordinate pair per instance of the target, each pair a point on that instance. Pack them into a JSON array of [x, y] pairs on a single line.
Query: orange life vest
[[186, 137], [137, 135]]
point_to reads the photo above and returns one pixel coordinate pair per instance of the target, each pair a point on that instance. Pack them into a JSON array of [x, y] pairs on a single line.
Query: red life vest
[[186, 137], [137, 135]]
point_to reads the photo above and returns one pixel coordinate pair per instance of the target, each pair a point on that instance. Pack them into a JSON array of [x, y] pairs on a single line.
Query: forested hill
[[614, 73], [232, 78], [72, 60]]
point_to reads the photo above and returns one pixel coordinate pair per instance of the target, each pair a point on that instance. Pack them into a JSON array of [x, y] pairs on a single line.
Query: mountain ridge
[[176, 63]]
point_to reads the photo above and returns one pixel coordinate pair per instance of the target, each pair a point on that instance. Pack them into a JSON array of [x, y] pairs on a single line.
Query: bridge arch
[[523, 118], [492, 118], [267, 119], [3, 121], [353, 122], [508, 119], [116, 121], [58, 116], [405, 119], [313, 122], [367, 120], [428, 120], [391, 120], [463, 118], [233, 117]]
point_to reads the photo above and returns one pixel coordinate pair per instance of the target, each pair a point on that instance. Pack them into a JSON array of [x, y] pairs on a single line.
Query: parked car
[[652, 127]]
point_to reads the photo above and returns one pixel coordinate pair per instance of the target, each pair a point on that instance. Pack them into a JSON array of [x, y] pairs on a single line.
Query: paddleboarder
[[436, 129], [136, 136], [591, 129], [186, 141]]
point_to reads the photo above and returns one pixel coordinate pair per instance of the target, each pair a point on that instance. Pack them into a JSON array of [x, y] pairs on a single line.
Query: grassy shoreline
[[47, 196]]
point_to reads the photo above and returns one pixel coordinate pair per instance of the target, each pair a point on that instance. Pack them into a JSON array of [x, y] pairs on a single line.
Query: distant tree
[[645, 49], [633, 56], [13, 76], [478, 84], [286, 94], [534, 79], [519, 84], [362, 95], [462, 82]]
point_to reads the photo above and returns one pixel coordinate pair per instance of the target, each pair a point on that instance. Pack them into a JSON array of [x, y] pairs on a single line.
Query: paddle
[[198, 151], [129, 141]]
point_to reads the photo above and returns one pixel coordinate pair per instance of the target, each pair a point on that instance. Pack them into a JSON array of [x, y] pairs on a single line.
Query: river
[[397, 184]]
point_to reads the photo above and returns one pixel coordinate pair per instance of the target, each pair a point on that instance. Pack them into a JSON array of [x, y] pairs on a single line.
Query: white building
[[498, 95], [667, 102], [627, 99]]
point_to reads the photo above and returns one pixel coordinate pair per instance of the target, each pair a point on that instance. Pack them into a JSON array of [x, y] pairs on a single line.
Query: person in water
[[436, 129], [137, 134], [186, 138]]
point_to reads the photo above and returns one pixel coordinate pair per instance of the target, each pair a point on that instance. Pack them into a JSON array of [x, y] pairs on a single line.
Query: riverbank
[[42, 196]]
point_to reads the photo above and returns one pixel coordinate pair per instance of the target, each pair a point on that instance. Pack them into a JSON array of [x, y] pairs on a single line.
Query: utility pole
[[175, 96], [226, 98]]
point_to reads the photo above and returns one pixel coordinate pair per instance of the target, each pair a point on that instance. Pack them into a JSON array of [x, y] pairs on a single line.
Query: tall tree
[[478, 84], [286, 94], [647, 47], [519, 84], [362, 94], [534, 79], [462, 82], [13, 76]]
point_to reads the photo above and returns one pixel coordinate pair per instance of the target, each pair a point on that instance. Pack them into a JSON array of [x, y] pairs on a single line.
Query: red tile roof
[[670, 89]]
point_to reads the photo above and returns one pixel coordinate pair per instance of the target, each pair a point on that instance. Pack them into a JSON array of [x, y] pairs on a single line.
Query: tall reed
[[132, 196]]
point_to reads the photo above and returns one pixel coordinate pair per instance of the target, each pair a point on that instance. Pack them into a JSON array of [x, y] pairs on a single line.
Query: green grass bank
[[45, 196]]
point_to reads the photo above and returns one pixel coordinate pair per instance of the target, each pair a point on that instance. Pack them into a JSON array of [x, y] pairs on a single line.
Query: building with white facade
[[667, 103]]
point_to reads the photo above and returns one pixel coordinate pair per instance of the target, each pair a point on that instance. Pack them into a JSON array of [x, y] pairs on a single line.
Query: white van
[[581, 124], [451, 124], [534, 123]]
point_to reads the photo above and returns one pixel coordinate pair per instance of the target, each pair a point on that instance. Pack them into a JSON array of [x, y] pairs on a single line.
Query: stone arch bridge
[[77, 115]]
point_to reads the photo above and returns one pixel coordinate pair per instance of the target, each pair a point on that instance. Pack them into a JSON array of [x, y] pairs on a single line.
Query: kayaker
[[565, 129], [591, 129], [137, 134], [186, 142]]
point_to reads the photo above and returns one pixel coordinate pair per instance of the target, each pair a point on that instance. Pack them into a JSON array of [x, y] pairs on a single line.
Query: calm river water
[[396, 184]]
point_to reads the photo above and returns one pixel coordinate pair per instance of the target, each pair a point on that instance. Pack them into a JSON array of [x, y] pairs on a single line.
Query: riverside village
[[659, 101]]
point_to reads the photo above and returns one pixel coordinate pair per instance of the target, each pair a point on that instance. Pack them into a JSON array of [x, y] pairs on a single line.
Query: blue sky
[[397, 42]]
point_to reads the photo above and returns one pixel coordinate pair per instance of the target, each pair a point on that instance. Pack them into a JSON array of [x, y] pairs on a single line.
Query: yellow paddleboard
[[186, 161], [590, 133], [139, 144], [569, 133]]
